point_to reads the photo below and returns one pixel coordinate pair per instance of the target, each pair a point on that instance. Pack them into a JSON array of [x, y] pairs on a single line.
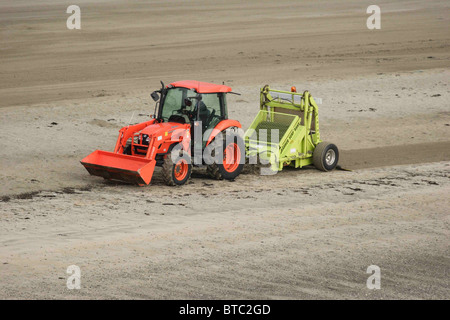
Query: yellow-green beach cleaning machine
[[285, 132]]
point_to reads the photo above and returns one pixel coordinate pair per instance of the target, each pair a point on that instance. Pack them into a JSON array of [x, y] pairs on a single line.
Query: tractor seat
[[204, 115], [204, 112]]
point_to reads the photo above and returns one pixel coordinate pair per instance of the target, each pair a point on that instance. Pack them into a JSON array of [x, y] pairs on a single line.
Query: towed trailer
[[285, 132]]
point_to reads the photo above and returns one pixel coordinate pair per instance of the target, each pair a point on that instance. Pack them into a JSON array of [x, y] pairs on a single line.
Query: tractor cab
[[193, 102]]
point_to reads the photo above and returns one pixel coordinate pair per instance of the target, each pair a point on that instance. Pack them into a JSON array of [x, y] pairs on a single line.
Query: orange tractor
[[190, 127]]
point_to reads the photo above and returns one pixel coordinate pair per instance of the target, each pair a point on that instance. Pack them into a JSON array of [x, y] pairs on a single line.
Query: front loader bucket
[[117, 166]]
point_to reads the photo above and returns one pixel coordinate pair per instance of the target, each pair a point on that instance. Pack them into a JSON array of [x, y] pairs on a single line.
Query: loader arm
[[127, 132]]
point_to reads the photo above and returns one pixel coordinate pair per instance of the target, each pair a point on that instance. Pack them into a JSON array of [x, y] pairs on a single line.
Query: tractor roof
[[201, 87]]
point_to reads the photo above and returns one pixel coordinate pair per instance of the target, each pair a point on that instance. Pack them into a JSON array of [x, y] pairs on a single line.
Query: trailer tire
[[220, 170], [326, 156], [178, 172]]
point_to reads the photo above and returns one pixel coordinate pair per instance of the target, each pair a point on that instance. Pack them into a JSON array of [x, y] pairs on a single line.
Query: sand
[[298, 234]]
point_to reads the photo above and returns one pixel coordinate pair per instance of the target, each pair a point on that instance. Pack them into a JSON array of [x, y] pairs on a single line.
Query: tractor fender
[[221, 126]]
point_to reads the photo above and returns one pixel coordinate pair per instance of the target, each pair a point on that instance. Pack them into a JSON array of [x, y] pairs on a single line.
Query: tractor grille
[[140, 144]]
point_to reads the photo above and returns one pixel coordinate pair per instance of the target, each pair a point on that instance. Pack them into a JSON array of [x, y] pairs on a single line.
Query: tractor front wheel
[[233, 157], [176, 168], [326, 156]]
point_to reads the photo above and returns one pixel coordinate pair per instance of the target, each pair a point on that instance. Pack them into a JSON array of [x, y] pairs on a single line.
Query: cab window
[[211, 110]]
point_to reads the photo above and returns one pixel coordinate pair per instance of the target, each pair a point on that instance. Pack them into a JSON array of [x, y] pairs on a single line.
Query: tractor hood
[[163, 129]]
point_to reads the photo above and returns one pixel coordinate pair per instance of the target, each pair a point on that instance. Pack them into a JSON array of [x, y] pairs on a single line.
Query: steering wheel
[[185, 111]]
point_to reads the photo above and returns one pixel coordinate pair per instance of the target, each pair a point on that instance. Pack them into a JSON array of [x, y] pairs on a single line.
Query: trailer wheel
[[177, 171], [326, 156], [233, 157]]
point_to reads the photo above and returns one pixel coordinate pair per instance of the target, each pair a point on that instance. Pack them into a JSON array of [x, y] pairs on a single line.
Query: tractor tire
[[223, 170], [178, 172], [325, 156]]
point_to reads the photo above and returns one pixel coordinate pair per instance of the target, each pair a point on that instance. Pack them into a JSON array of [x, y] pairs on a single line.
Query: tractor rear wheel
[[176, 168], [326, 156], [233, 157]]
